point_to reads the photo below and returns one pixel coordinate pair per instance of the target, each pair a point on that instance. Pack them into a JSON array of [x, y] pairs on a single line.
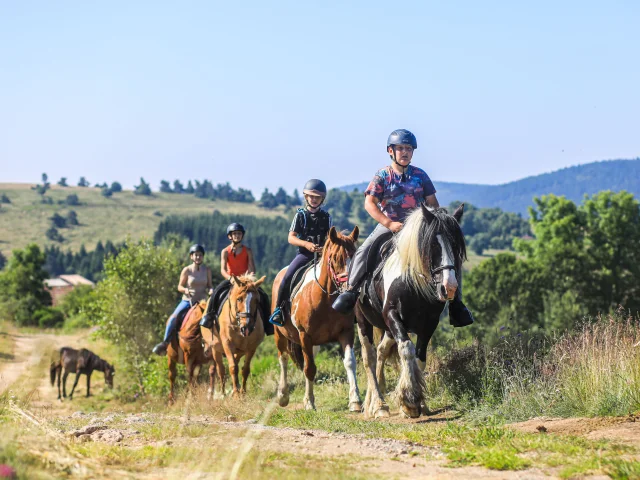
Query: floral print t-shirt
[[396, 197]]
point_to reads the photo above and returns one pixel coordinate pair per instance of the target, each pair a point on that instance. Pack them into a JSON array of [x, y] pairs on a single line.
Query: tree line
[[582, 260]]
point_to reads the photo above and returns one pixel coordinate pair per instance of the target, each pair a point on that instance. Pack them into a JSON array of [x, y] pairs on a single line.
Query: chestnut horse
[[238, 334], [407, 296], [314, 322], [187, 348]]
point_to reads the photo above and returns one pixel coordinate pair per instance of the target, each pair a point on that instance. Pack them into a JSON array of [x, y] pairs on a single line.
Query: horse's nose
[[450, 284]]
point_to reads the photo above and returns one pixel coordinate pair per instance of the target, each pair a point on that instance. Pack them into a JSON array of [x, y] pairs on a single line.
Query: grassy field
[[250, 437], [26, 219]]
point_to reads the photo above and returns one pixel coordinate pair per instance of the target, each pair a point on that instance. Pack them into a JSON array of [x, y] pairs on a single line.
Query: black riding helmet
[[315, 187], [235, 227], [196, 248]]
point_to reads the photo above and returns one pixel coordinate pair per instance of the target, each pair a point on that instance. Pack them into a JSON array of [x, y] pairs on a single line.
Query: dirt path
[[29, 350], [243, 441]]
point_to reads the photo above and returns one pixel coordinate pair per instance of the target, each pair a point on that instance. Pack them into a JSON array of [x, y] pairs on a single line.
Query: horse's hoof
[[424, 410], [355, 407], [283, 400], [382, 412], [309, 406], [410, 412]]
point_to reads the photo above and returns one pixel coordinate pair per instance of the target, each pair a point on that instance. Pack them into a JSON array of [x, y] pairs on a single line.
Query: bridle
[[239, 316], [442, 268], [337, 281]]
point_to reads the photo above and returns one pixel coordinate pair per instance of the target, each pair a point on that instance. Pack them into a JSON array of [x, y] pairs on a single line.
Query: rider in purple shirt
[[391, 195]]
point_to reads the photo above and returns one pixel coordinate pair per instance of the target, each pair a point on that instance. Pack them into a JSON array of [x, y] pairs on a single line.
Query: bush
[[54, 235], [106, 192], [116, 187], [4, 198], [72, 218], [58, 221], [48, 317], [134, 299], [72, 200]]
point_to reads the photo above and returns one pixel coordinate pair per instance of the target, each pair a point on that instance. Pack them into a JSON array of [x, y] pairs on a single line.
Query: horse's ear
[[260, 281], [458, 213], [355, 233], [428, 214], [333, 234]]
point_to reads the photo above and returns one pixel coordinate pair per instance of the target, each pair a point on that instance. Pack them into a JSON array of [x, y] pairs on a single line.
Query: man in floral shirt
[[392, 194]]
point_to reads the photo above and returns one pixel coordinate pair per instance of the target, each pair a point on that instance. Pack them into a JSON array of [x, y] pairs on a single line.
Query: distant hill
[[517, 196]]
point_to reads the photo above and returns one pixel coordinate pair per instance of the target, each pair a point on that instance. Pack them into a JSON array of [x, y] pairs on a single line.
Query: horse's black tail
[[295, 351], [52, 371]]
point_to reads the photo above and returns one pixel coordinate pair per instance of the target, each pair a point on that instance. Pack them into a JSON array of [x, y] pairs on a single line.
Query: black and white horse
[[419, 275]]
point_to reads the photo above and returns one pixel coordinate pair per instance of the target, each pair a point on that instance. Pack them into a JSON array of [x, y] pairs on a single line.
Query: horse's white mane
[[408, 256]]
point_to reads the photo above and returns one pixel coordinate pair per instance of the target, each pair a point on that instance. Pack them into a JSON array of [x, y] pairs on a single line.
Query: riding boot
[[346, 300], [459, 314], [207, 320], [161, 348]]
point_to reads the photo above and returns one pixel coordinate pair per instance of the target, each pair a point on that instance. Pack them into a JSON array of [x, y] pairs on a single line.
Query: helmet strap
[[393, 158]]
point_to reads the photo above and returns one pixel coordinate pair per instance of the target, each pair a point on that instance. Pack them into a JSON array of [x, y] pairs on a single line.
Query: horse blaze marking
[[446, 260]]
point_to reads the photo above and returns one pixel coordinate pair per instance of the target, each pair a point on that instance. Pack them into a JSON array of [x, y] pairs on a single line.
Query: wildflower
[[502, 328], [7, 472]]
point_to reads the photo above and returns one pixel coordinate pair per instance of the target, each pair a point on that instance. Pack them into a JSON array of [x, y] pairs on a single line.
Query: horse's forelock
[[414, 245]]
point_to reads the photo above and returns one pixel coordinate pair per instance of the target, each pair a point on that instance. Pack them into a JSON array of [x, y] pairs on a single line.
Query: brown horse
[[186, 348], [239, 332], [314, 322], [80, 362]]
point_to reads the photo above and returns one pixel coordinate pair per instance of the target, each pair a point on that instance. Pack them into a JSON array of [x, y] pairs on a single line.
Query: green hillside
[[26, 218]]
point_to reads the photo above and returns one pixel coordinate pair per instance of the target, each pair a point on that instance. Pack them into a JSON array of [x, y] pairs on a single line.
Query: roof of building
[[76, 280], [56, 282]]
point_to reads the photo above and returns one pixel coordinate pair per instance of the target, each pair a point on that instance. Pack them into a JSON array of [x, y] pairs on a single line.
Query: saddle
[[298, 277], [378, 253]]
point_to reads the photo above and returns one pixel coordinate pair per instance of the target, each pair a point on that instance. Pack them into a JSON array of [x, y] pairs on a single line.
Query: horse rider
[[195, 283], [394, 191], [236, 259], [308, 232]]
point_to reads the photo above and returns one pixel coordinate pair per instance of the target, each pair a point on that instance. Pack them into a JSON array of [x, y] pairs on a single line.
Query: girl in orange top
[[235, 260]]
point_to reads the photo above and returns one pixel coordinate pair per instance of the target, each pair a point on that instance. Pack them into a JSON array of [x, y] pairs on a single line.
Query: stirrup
[[276, 317]]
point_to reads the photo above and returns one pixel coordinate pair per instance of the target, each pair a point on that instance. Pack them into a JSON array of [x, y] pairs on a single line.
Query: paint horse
[[186, 348], [313, 322], [239, 332], [407, 295], [80, 362]]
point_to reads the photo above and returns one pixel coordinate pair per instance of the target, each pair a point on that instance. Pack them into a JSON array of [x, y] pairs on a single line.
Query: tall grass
[[591, 371]]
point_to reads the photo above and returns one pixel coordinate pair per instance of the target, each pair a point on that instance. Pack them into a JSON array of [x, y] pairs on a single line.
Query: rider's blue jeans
[[173, 320]]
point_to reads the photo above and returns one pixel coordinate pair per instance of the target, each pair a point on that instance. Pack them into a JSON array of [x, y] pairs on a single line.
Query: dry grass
[[26, 219]]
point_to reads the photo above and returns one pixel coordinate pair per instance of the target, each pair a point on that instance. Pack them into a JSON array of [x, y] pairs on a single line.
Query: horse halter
[[239, 315], [335, 279], [442, 268]]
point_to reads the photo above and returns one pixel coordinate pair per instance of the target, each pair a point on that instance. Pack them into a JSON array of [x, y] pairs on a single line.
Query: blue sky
[[272, 93]]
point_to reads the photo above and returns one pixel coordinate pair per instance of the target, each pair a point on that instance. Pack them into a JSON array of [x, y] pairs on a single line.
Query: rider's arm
[[252, 265], [209, 281], [184, 278], [371, 206], [432, 201], [297, 242], [223, 264]]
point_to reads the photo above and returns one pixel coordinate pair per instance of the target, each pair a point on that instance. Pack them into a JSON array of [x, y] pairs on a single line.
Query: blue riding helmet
[[402, 137]]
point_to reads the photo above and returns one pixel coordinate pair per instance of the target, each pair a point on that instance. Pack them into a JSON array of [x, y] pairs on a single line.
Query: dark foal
[[80, 362]]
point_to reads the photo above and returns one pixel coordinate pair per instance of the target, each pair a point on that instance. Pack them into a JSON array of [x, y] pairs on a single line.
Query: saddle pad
[[298, 278]]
